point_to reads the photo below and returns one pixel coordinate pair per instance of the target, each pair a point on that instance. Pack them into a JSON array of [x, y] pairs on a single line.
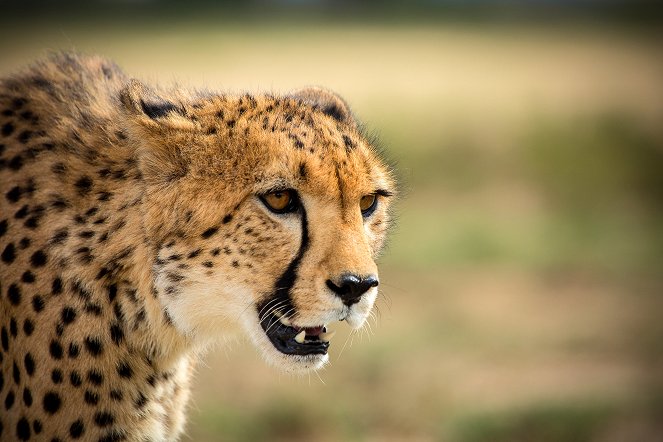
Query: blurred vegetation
[[522, 286]]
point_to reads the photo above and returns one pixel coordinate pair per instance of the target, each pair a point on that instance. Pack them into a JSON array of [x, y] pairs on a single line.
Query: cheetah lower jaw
[[324, 335]]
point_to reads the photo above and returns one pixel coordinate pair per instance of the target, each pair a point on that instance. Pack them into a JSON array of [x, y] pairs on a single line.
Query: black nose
[[350, 287]]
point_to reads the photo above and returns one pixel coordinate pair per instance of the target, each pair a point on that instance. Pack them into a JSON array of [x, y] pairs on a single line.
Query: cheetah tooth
[[285, 321], [326, 336], [301, 336]]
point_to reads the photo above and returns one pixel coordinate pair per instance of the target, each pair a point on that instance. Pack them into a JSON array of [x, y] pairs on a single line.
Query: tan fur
[[131, 241]]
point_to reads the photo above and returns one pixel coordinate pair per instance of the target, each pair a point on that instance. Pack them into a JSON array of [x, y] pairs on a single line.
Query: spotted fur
[[132, 236]]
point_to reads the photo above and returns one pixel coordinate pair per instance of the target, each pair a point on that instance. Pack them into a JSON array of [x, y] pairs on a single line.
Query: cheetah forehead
[[263, 140]]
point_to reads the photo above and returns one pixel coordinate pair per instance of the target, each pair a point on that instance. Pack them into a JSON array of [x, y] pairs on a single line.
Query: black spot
[[7, 129], [209, 232], [24, 243], [23, 429], [38, 259], [116, 332], [91, 398], [103, 419], [302, 170], [27, 397], [95, 377], [3, 227], [116, 395], [226, 219], [36, 426], [9, 253], [194, 253], [84, 185], [13, 328], [29, 363], [37, 304], [112, 436], [60, 236], [14, 294], [25, 136], [76, 429], [28, 327], [56, 286], [112, 292], [104, 196], [28, 277], [75, 379], [5, 339], [59, 168], [55, 349], [56, 376], [22, 212], [124, 370], [94, 346], [2, 381], [297, 142], [235, 264], [16, 162], [74, 350], [16, 373], [93, 308], [51, 402], [86, 234], [9, 400], [140, 401], [68, 315], [14, 194]]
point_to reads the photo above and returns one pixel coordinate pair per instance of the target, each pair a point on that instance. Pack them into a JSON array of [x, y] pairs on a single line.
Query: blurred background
[[522, 290]]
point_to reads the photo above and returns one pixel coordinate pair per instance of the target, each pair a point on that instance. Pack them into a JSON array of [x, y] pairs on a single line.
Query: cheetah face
[[265, 213]]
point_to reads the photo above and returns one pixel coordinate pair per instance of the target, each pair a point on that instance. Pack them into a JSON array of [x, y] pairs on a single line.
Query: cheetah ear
[[151, 110], [159, 129], [328, 102]]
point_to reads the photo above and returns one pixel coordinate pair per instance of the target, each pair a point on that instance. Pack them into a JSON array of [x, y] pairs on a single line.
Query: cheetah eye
[[367, 204], [281, 201]]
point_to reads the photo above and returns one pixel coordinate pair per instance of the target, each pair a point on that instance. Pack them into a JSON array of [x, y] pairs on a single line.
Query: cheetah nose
[[350, 287]]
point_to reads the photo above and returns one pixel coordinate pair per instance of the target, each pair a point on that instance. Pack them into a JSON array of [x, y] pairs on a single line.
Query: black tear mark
[[282, 297]]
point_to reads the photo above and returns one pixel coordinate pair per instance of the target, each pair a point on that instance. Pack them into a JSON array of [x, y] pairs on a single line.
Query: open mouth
[[293, 340]]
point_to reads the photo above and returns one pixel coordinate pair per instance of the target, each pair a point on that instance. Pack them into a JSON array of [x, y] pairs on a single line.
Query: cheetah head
[[265, 212]]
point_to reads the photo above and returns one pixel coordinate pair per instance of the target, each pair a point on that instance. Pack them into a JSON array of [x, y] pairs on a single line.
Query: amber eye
[[368, 203], [281, 201]]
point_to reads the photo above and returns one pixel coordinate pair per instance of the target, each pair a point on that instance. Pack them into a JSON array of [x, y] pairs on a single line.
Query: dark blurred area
[[523, 283], [636, 11]]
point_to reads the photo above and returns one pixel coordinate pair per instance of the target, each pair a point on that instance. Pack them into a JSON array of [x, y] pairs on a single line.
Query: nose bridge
[[349, 252]]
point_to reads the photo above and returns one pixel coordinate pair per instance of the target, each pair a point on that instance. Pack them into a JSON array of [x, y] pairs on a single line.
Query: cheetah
[[140, 225]]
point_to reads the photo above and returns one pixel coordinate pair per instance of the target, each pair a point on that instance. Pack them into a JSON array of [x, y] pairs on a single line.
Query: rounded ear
[[328, 102], [140, 100]]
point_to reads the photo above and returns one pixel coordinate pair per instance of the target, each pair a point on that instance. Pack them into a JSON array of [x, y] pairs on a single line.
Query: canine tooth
[[301, 336], [326, 336]]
